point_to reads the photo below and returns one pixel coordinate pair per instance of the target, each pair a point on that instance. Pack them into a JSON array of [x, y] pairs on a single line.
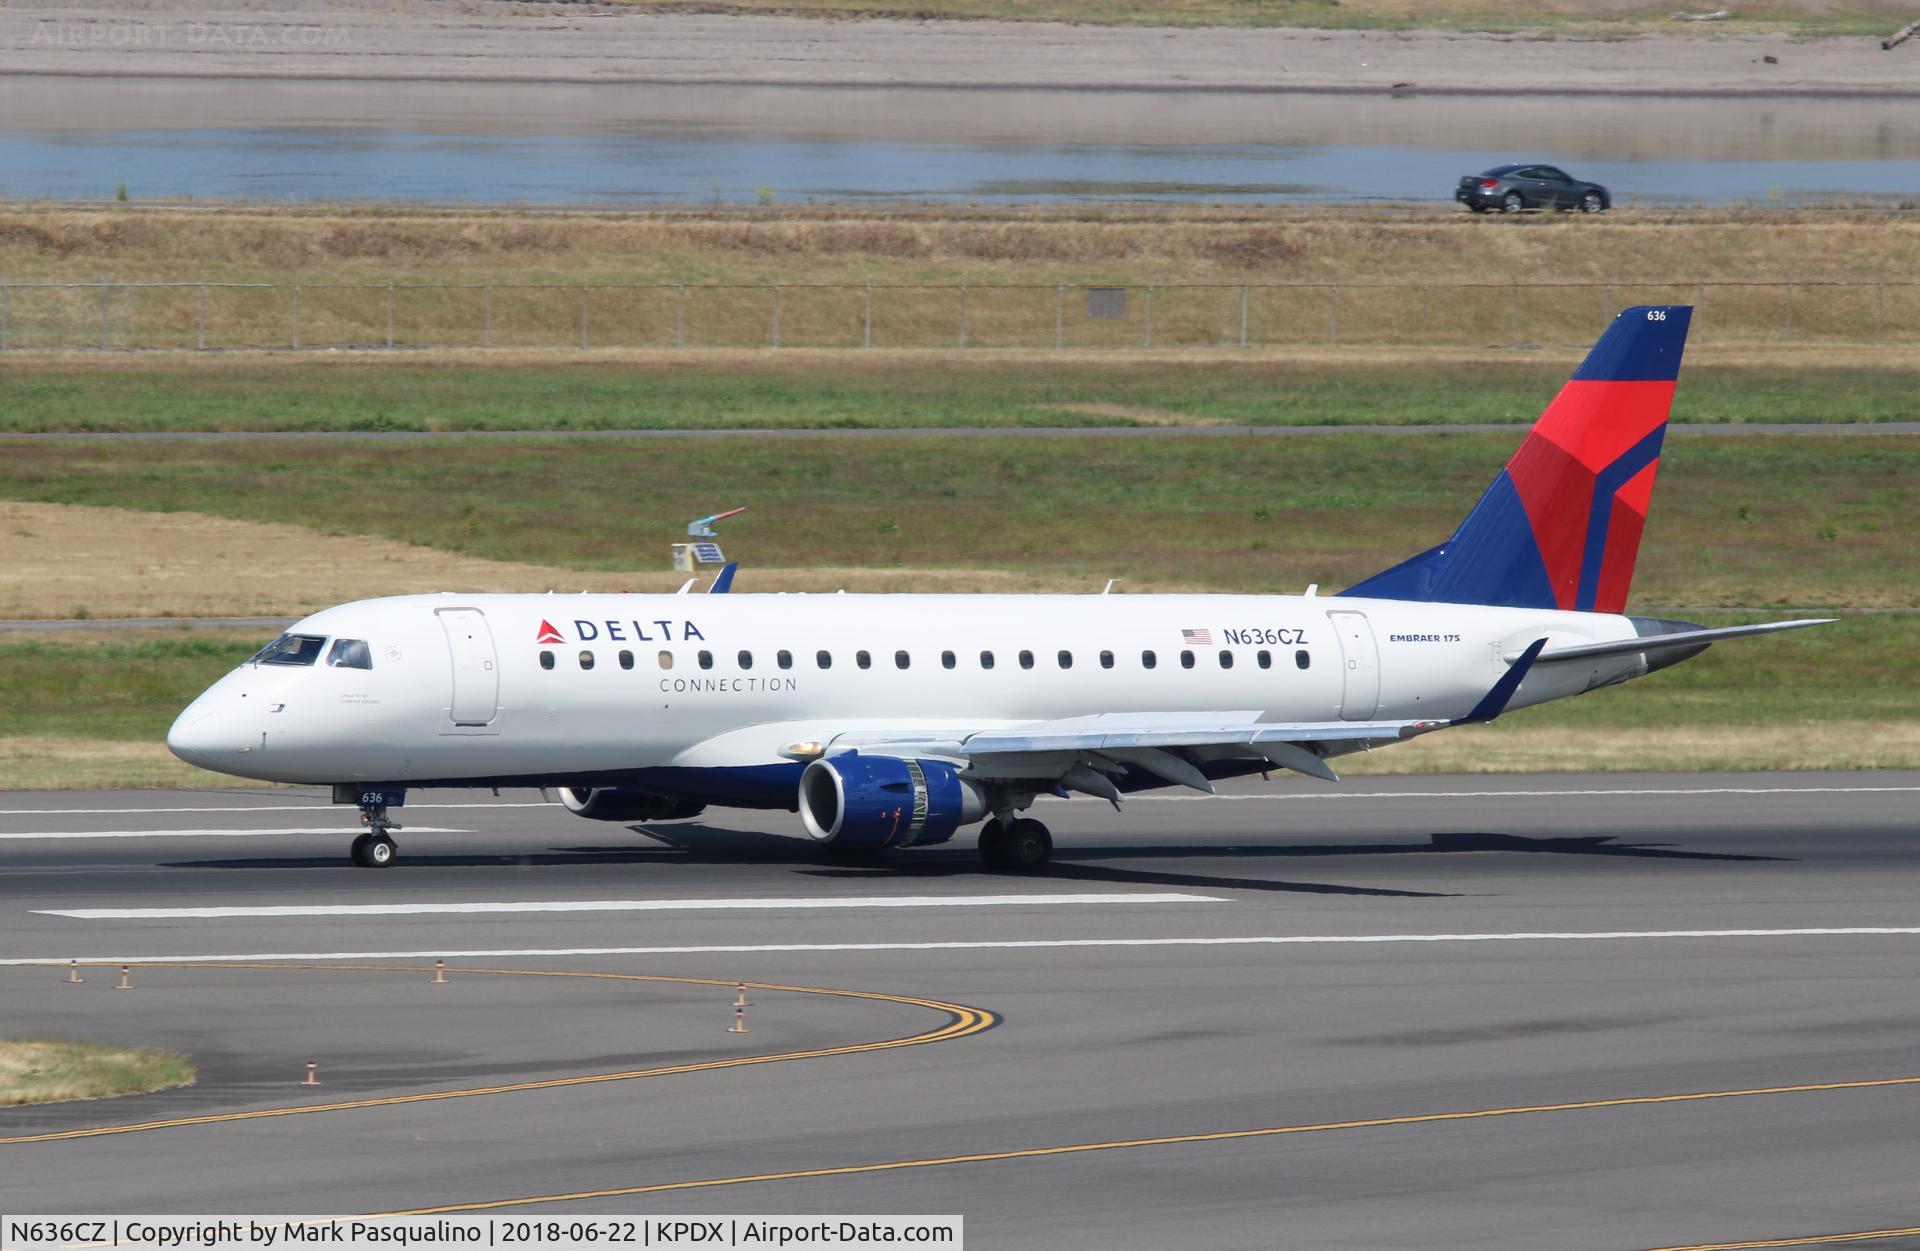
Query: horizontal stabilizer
[[1664, 642]]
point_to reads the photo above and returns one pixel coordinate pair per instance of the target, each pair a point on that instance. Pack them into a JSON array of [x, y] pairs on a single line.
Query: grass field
[[828, 390], [937, 279], [1749, 521], [324, 243], [1791, 16], [48, 1071]]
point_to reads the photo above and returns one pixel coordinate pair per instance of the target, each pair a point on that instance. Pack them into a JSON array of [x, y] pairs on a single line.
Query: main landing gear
[[375, 849], [1015, 846]]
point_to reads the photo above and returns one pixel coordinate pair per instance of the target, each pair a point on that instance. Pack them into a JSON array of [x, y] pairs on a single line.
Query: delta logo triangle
[[548, 634]]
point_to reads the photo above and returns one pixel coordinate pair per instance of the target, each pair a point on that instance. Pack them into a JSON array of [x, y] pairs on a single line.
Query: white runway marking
[[328, 829], [1001, 944], [1289, 797], [1713, 790], [748, 904], [101, 812]]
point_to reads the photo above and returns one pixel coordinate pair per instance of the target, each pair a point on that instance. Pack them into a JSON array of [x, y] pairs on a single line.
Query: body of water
[[80, 139]]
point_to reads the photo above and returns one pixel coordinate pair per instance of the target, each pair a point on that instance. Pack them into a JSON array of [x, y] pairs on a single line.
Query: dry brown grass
[[1514, 746], [791, 362], [80, 561], [59, 762], [1009, 261], [47, 1071], [58, 243], [69, 763]]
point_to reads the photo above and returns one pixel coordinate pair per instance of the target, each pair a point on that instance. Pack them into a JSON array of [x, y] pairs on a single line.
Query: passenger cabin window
[[666, 659], [823, 659], [901, 660], [1264, 659], [1148, 660], [626, 660], [1106, 660], [746, 660], [863, 659], [1301, 660], [1226, 659], [783, 658], [350, 654], [546, 660], [1186, 660], [586, 660], [706, 660], [948, 660], [1066, 659], [291, 649], [986, 660], [1026, 660]]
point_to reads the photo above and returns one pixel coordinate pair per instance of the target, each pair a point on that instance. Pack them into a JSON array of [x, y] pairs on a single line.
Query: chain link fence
[[210, 316]]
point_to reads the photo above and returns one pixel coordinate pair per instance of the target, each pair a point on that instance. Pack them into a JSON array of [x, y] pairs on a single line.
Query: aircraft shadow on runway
[[695, 844]]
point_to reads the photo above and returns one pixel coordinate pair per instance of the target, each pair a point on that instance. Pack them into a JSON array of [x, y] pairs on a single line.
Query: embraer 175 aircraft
[[894, 720]]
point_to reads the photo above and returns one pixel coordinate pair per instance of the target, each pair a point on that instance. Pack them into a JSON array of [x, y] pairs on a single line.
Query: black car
[[1515, 188]]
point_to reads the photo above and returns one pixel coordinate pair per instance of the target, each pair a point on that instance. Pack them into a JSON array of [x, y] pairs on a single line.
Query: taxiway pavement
[[1303, 985]]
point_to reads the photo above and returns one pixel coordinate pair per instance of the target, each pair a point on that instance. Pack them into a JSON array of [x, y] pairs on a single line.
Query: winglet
[[1494, 702], [724, 583]]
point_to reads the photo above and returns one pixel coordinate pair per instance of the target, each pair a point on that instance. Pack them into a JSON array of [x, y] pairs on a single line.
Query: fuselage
[[704, 694]]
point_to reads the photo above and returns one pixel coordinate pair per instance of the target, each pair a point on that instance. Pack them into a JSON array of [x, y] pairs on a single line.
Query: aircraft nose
[[193, 735], [203, 736]]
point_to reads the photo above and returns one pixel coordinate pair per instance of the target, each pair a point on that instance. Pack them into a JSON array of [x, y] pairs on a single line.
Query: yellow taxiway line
[[1811, 1240], [961, 1021], [1030, 1153]]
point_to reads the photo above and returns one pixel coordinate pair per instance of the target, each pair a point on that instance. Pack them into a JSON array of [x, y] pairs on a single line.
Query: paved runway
[[1302, 987]]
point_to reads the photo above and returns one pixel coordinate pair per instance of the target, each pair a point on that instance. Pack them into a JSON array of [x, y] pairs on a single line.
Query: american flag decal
[[1200, 638]]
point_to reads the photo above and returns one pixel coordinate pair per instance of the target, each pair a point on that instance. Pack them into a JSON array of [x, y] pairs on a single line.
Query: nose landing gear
[[374, 849]]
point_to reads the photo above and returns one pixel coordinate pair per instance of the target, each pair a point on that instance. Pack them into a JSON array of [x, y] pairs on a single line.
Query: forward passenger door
[[475, 699]]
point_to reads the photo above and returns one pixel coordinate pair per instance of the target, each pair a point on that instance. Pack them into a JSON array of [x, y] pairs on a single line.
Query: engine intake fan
[[883, 801]]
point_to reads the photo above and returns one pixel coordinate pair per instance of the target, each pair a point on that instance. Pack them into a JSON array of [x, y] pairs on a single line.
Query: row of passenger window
[[783, 659]]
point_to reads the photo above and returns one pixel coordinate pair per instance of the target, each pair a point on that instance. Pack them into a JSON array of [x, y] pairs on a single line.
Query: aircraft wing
[[1086, 753]]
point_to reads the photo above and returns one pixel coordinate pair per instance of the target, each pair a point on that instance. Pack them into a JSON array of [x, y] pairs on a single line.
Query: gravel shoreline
[[497, 41]]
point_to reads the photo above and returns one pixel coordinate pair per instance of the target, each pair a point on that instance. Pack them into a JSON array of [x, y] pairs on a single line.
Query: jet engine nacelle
[[614, 803], [883, 801]]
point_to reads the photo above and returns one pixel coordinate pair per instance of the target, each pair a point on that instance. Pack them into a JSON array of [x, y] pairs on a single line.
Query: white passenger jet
[[894, 720]]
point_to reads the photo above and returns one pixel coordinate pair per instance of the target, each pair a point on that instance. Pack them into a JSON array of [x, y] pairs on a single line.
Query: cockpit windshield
[[350, 654], [291, 649]]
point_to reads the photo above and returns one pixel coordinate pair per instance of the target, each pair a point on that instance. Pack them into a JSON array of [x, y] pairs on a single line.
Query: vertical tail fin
[[1560, 527]]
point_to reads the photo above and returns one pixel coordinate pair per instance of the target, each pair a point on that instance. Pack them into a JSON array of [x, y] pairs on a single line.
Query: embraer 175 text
[[894, 720]]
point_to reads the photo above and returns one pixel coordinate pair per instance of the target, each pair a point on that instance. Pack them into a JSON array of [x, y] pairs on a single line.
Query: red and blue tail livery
[[1560, 527]]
